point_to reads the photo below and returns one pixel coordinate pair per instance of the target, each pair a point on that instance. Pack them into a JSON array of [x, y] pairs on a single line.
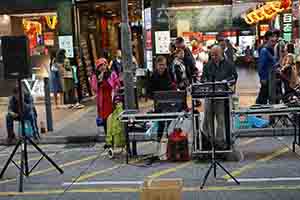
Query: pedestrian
[[266, 62], [188, 59], [56, 69], [228, 49], [217, 69], [290, 71], [117, 63], [179, 70], [104, 82], [160, 81], [171, 56], [279, 49]]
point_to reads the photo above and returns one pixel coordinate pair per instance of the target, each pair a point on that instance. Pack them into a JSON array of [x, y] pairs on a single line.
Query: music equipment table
[[131, 117], [211, 92], [289, 113]]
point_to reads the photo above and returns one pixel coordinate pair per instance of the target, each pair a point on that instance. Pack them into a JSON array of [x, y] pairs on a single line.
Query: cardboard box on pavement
[[162, 189]]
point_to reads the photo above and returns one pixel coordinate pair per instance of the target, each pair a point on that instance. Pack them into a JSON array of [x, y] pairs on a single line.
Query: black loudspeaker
[[15, 57]]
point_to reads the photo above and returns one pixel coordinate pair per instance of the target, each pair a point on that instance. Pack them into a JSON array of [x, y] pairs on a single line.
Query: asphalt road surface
[[269, 170]]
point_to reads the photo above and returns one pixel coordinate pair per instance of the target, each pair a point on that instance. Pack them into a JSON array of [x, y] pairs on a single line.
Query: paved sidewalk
[[79, 126]]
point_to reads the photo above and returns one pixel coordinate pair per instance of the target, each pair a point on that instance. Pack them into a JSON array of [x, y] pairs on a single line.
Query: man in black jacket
[[217, 69], [160, 81]]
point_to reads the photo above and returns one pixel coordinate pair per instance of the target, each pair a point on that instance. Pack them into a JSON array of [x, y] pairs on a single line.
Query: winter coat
[[159, 82], [266, 62], [104, 92], [180, 74]]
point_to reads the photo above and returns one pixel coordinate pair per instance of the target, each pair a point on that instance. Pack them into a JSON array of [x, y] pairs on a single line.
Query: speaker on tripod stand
[[16, 62], [16, 57]]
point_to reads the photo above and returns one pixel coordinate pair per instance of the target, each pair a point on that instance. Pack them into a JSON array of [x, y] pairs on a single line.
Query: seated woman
[[13, 114]]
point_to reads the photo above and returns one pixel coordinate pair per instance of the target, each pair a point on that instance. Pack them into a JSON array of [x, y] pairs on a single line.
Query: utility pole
[[130, 101]]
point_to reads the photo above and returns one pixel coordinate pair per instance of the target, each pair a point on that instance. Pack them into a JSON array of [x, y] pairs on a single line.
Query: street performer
[[217, 69]]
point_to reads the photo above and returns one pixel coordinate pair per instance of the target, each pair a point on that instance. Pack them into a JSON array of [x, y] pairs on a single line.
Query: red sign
[[193, 35], [148, 40]]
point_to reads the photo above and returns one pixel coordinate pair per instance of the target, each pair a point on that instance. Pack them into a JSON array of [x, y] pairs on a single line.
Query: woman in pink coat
[[103, 83]]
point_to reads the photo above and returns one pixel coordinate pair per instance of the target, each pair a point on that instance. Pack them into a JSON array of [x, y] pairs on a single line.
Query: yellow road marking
[[174, 169], [244, 143], [136, 190], [170, 170], [39, 157], [68, 164], [104, 171], [87, 176], [245, 168]]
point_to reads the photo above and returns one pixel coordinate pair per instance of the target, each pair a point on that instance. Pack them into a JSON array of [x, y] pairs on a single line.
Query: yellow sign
[[51, 21], [266, 12]]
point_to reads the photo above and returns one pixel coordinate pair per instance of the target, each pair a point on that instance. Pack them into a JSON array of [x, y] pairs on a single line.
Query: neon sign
[[267, 11]]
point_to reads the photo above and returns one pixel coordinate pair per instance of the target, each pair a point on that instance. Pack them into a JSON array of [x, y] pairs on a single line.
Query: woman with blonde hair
[[290, 71]]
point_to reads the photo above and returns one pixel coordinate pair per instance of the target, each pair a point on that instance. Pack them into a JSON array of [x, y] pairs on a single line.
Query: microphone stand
[[214, 162]]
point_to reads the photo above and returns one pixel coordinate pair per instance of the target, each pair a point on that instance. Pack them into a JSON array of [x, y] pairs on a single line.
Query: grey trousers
[[219, 117]]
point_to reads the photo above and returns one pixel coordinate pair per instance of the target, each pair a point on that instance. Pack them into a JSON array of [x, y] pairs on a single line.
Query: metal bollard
[[48, 104]]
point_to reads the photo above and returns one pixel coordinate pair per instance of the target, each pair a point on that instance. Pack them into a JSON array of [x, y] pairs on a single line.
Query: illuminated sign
[[287, 26], [35, 87], [267, 11]]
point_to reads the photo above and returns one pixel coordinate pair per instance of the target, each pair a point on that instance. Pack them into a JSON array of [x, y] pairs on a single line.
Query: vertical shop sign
[[287, 26], [149, 60], [147, 19]]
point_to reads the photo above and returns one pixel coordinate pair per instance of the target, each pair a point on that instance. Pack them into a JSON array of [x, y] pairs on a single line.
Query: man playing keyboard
[[216, 70]]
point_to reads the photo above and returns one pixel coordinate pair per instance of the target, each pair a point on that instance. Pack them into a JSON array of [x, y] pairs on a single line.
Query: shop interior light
[[6, 18]]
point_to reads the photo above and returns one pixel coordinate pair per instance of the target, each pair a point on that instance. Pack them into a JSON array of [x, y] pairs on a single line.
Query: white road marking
[[105, 183], [266, 179]]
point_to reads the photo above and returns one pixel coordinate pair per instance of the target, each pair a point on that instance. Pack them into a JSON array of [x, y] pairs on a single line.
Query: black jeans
[[105, 126], [263, 95]]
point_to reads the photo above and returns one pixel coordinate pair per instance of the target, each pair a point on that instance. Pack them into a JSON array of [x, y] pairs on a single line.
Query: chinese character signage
[[287, 26]]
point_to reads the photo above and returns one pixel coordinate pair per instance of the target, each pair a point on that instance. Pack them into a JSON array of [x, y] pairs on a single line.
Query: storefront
[[99, 27], [241, 22], [47, 24]]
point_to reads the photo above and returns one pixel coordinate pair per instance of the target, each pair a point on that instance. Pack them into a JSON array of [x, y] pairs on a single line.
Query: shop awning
[[23, 6]]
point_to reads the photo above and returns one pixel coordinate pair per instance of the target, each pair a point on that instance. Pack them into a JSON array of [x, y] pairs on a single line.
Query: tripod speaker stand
[[208, 90], [23, 142]]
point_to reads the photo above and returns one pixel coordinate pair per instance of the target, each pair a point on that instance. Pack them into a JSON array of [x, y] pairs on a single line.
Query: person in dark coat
[[189, 60], [217, 69], [160, 81], [266, 62], [117, 63], [179, 70]]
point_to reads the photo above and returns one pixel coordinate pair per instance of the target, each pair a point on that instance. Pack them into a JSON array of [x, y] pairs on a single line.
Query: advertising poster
[[162, 41], [66, 43]]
